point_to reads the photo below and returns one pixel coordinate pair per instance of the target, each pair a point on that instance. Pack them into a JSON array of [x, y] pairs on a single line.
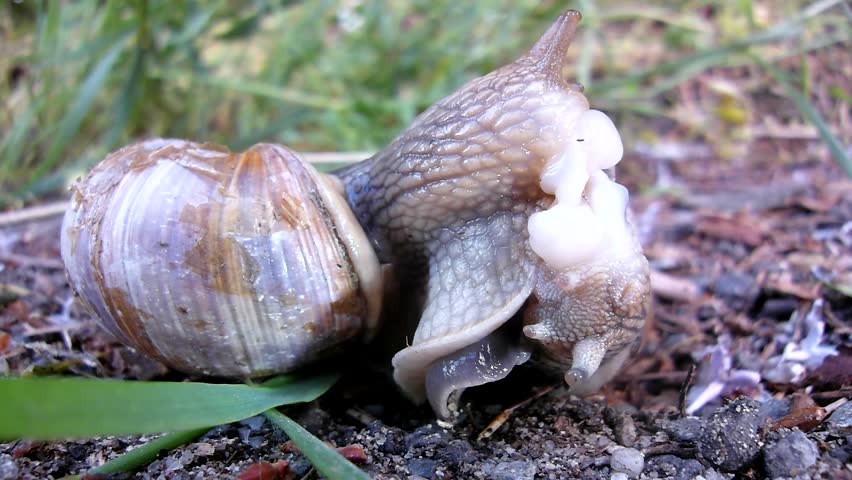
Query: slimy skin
[[492, 206]]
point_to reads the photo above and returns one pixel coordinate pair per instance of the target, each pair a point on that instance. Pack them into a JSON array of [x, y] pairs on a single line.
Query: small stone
[[627, 460], [517, 470], [775, 408], [711, 474], [844, 451], [625, 430], [687, 430], [254, 423], [425, 436], [675, 468], [618, 476], [394, 443], [731, 438], [841, 419], [456, 453], [422, 467], [737, 289], [257, 441], [789, 454], [8, 468]]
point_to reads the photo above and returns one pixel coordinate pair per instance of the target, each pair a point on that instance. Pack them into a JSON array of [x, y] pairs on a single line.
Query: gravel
[[841, 419], [517, 470], [422, 467], [789, 453]]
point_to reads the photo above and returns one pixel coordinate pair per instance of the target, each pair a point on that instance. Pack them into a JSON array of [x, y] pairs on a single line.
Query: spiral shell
[[219, 263]]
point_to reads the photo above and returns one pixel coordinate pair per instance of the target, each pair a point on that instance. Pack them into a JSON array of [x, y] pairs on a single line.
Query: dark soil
[[748, 260]]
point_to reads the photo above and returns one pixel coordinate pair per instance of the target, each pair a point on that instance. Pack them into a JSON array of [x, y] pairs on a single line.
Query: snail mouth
[[588, 216]]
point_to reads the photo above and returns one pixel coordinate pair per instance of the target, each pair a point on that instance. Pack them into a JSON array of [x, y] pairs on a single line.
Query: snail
[[488, 231]]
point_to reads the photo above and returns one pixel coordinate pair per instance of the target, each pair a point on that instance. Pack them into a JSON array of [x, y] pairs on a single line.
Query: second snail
[[487, 232]]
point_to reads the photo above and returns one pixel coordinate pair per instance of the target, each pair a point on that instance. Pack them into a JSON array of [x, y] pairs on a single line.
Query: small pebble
[[625, 430], [687, 430], [422, 467], [427, 435], [775, 408], [675, 468], [618, 476], [711, 474], [737, 289], [517, 470], [789, 454], [8, 468], [628, 461], [254, 423], [841, 419], [731, 438]]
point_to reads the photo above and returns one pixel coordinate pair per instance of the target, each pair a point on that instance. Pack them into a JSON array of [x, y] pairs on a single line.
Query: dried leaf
[[353, 453], [266, 471], [835, 372]]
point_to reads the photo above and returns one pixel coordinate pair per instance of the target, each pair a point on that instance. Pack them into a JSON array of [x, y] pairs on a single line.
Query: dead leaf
[[834, 373], [804, 414], [280, 470]]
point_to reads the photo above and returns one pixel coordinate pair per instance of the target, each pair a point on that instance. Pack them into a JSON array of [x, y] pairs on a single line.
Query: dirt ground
[[753, 285]]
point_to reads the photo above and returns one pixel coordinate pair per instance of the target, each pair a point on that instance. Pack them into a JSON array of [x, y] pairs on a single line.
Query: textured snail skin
[[448, 202], [217, 263]]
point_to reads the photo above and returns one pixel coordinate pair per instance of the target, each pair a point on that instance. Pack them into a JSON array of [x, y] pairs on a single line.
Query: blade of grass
[[686, 67], [330, 463], [256, 88], [657, 14], [130, 93], [52, 408], [145, 453], [836, 148], [70, 123]]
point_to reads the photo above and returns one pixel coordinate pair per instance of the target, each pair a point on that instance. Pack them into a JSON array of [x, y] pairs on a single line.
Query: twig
[[674, 288], [32, 214], [681, 403], [335, 157], [30, 261], [831, 407], [500, 419], [677, 375], [669, 449], [841, 394]]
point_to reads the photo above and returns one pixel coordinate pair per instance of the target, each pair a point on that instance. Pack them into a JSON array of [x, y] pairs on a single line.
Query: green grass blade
[[251, 87], [82, 104], [330, 463], [837, 149], [53, 408], [127, 99], [141, 455]]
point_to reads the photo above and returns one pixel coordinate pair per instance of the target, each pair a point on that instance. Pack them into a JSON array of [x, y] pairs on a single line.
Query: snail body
[[493, 212]]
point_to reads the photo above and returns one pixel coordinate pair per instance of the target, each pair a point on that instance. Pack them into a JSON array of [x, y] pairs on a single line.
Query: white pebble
[[628, 461]]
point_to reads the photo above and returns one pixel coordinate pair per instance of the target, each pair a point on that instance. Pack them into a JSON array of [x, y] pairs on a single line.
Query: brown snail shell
[[219, 263]]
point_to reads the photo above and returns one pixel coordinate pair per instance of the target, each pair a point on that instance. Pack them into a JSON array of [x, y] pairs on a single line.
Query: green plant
[[86, 77], [55, 408]]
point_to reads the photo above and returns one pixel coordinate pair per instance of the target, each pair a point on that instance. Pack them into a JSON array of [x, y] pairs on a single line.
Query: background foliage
[[80, 78]]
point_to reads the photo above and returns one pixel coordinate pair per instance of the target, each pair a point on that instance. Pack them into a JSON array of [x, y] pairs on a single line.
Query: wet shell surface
[[220, 263]]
